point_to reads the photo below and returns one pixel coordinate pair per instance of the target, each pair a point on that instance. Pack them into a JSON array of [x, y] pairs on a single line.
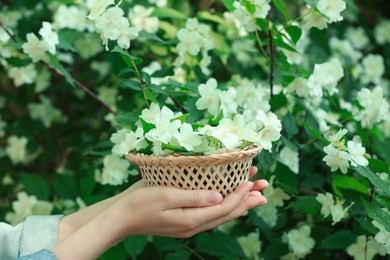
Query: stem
[[177, 103], [141, 80], [260, 44], [272, 63], [371, 154], [7, 31], [194, 253]]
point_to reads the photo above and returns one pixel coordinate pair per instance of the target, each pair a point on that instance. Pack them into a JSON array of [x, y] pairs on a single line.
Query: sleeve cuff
[[43, 254], [39, 232]]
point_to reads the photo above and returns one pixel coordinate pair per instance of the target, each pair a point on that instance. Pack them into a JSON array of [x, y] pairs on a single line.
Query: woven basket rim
[[194, 160]]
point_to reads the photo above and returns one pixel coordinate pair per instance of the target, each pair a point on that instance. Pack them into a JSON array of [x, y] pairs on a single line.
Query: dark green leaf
[[36, 185], [349, 183], [56, 64], [367, 225], [228, 4], [135, 245], [290, 125], [127, 58], [151, 36], [127, 119], [295, 33], [282, 7], [306, 204], [146, 126], [215, 121], [131, 83], [315, 133], [278, 41], [181, 254], [339, 240], [378, 165], [311, 3], [375, 212], [278, 101], [218, 244], [374, 179], [65, 186]]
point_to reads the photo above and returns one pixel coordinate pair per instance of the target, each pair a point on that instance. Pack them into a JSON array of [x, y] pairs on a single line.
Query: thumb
[[196, 198]]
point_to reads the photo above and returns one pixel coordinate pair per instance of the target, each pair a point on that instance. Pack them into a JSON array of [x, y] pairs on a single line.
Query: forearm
[[93, 238], [70, 224]]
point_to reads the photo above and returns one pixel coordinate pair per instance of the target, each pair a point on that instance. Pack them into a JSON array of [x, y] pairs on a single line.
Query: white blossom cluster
[[365, 248], [376, 107], [251, 245], [194, 39], [45, 112], [26, 206], [299, 242], [140, 17], [17, 150], [324, 77], [37, 49], [330, 207], [382, 237], [326, 12], [245, 20], [340, 156], [111, 23]]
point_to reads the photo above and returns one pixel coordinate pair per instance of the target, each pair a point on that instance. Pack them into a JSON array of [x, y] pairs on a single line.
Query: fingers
[[260, 185], [252, 171], [177, 198]]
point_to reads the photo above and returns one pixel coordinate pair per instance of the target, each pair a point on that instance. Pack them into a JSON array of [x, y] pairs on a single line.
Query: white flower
[[289, 158], [126, 34], [382, 237], [268, 213], [336, 138], [311, 18], [344, 49], [115, 170], [35, 48], [336, 159], [275, 196], [209, 97], [16, 149], [140, 18], [327, 202], [363, 249], [299, 241], [251, 245], [373, 69], [49, 37], [332, 9], [299, 86], [111, 22], [70, 17], [131, 141], [98, 7], [23, 75], [381, 32], [228, 106], [357, 37], [188, 138], [270, 132], [164, 132], [159, 3], [117, 138], [43, 80], [244, 49], [357, 151], [375, 106], [262, 8], [45, 112], [338, 212], [189, 42]]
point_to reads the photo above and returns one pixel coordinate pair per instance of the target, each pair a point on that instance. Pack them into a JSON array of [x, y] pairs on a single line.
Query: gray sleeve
[[39, 232], [34, 234], [43, 254]]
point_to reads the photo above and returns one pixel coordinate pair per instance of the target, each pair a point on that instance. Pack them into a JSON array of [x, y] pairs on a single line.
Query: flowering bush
[[85, 82]]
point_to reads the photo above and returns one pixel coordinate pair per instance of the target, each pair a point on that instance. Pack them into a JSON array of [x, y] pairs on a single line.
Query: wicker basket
[[222, 172]]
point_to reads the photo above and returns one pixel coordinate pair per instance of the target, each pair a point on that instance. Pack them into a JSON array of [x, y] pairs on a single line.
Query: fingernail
[[215, 197]]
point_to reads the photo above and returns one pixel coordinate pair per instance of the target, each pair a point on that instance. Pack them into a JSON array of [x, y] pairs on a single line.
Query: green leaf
[[306, 204], [282, 7], [182, 118], [181, 254], [263, 24], [290, 125], [349, 183], [367, 225], [228, 4], [127, 58], [126, 119], [249, 6], [152, 36], [146, 126], [375, 212], [168, 13], [315, 133], [135, 245], [211, 17], [149, 96], [218, 244], [131, 84], [278, 101], [295, 33], [278, 41], [215, 121], [378, 165], [374, 179], [65, 186], [312, 3], [36, 185], [56, 64], [339, 240]]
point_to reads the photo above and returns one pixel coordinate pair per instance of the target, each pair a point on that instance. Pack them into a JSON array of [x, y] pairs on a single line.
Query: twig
[[371, 154], [194, 253], [177, 103], [141, 81], [7, 31], [260, 44], [272, 62]]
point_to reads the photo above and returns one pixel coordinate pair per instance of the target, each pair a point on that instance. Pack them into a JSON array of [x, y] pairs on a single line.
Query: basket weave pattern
[[221, 172]]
